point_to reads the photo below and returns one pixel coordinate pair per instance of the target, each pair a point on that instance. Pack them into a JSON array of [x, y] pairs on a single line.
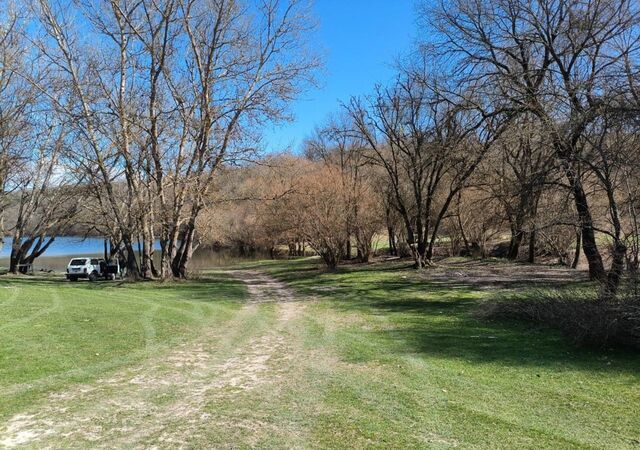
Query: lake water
[[66, 246], [59, 253]]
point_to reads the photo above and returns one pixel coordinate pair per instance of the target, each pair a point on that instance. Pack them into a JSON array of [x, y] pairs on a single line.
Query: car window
[[95, 261], [77, 262]]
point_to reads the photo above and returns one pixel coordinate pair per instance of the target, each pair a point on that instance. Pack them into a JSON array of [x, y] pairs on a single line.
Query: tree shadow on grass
[[436, 319]]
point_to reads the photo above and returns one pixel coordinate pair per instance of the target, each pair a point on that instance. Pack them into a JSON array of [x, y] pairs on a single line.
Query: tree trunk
[[168, 243], [133, 271], [615, 272], [364, 252], [185, 251], [576, 256], [25, 252], [332, 259], [517, 234], [165, 258], [14, 257], [393, 248], [418, 258], [532, 246], [146, 257], [14, 261], [589, 245], [438, 222]]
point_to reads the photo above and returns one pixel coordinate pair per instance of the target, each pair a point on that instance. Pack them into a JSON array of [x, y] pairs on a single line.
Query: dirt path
[[164, 401]]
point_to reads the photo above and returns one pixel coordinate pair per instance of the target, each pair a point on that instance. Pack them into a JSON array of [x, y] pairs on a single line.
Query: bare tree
[[17, 103], [243, 68], [561, 60], [428, 145], [171, 93], [82, 89], [256, 206], [516, 174], [45, 204], [336, 145], [474, 220], [321, 201]]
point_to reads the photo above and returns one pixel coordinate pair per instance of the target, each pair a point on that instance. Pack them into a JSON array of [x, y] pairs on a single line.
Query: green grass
[[416, 369], [54, 333], [371, 356]]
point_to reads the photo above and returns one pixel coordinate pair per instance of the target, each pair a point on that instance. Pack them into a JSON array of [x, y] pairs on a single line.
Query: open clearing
[[280, 354]]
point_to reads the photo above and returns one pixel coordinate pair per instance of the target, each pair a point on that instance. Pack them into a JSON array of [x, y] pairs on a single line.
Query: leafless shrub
[[582, 317]]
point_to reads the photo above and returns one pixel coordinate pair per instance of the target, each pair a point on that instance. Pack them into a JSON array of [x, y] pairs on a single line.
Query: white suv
[[84, 268]]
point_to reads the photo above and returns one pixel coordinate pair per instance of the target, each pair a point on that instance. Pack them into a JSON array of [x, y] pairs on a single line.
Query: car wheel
[[93, 276]]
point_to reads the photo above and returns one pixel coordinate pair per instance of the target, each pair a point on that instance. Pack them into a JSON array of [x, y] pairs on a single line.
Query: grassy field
[[55, 333], [379, 356]]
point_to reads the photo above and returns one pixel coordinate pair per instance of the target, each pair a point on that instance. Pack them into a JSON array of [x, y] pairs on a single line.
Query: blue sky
[[360, 40]]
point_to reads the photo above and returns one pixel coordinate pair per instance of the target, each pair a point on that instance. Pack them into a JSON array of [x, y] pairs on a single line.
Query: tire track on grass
[[56, 304], [146, 322], [120, 410], [114, 362], [13, 297]]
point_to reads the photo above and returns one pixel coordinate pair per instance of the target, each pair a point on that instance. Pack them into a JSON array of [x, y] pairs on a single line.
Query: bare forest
[[511, 132]]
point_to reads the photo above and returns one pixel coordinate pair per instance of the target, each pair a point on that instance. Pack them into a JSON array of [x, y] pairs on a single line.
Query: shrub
[[578, 313]]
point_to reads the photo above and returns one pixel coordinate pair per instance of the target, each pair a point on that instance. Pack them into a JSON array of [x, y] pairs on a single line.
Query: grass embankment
[[376, 356]]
